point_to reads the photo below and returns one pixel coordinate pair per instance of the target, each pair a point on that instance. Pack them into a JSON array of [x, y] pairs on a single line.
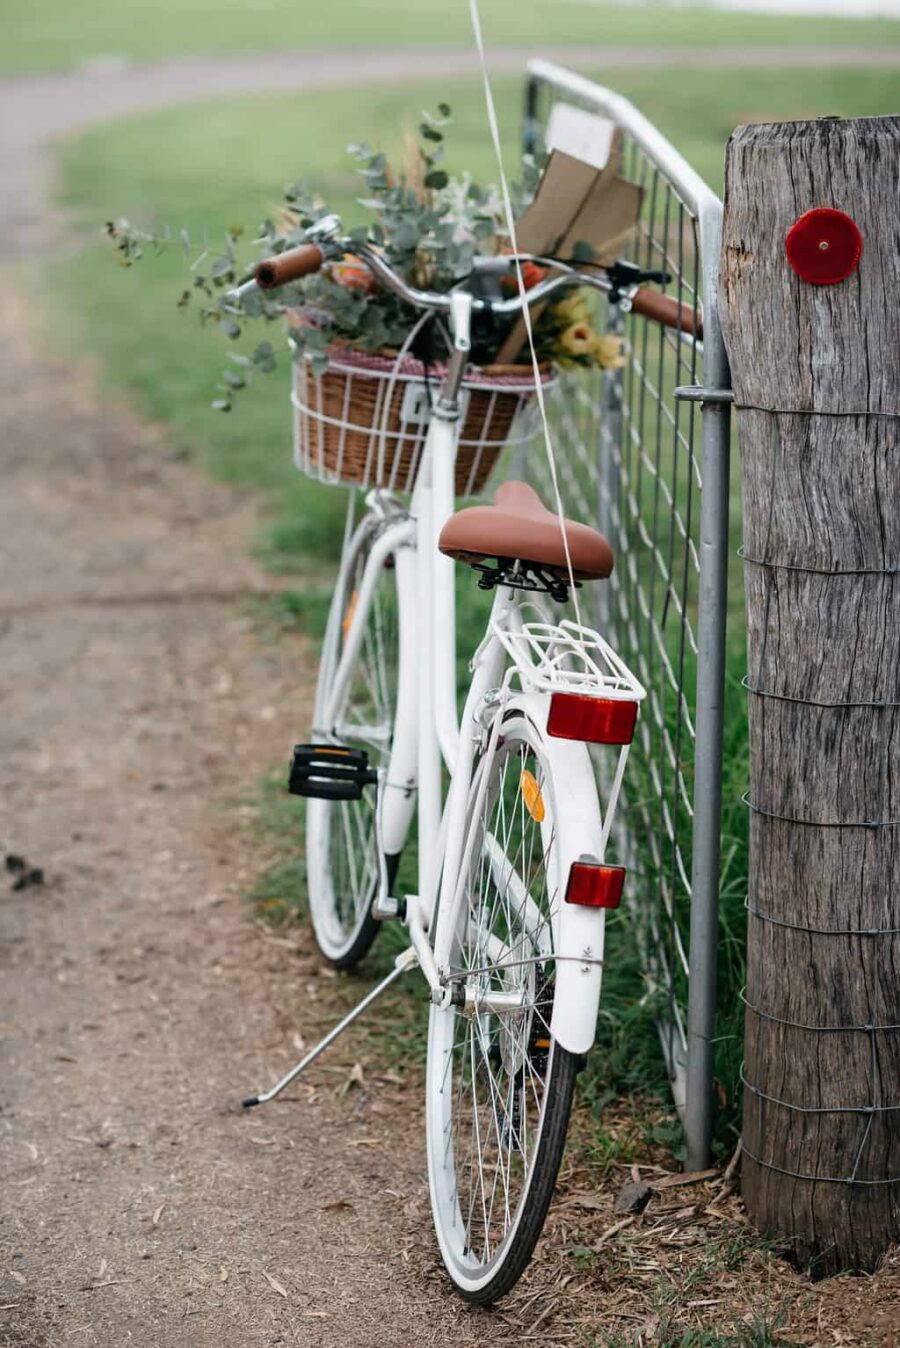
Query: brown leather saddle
[[518, 526]]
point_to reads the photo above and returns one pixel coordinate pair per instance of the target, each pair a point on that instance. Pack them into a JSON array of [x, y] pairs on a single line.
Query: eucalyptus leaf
[[221, 268]]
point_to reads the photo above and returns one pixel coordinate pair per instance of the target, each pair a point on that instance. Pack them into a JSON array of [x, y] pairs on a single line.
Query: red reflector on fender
[[596, 720], [593, 886]]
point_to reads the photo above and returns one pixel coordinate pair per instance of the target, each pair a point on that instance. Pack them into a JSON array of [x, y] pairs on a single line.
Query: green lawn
[[48, 34], [218, 164]]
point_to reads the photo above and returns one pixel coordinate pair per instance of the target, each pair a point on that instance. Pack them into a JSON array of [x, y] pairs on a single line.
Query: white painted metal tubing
[[429, 755], [444, 435], [399, 789]]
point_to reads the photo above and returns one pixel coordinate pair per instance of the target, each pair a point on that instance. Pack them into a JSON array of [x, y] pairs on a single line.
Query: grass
[[219, 163], [57, 34], [760, 1333]]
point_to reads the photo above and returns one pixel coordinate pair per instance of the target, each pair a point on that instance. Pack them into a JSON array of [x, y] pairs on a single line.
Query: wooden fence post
[[816, 374]]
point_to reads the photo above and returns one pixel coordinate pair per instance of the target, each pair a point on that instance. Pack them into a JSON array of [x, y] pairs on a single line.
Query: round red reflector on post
[[824, 246]]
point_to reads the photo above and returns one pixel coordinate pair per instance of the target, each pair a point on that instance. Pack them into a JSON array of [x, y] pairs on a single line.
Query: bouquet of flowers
[[429, 225]]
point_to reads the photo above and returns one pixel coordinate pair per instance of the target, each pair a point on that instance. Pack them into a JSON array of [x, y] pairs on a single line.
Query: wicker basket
[[364, 420]]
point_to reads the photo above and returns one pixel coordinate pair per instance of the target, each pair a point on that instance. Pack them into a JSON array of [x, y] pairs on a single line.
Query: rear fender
[[578, 933]]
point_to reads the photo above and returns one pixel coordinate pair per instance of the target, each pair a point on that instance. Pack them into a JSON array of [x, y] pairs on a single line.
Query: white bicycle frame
[[427, 731]]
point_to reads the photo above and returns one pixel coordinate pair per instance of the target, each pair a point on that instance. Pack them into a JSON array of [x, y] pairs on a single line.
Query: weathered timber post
[[816, 374]]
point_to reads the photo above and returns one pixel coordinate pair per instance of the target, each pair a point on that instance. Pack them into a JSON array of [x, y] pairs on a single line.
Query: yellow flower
[[609, 352], [572, 310], [578, 340]]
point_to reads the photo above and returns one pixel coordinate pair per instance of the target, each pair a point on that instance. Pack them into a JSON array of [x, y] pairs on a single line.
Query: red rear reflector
[[597, 720], [593, 886]]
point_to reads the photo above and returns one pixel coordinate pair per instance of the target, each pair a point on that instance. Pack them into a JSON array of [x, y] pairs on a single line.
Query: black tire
[[558, 1108], [367, 932]]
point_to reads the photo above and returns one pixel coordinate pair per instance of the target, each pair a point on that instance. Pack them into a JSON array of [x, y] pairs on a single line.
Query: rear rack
[[568, 657]]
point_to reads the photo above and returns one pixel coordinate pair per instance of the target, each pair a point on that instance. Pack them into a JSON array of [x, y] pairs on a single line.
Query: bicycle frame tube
[[432, 504], [398, 794], [427, 726], [487, 673]]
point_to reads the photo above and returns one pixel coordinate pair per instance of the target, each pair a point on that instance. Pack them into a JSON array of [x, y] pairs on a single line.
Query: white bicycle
[[507, 921]]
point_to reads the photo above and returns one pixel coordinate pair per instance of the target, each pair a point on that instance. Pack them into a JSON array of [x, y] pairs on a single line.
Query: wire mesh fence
[[651, 466]]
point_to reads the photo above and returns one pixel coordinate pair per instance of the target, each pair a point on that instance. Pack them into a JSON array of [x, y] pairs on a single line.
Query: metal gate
[[645, 450]]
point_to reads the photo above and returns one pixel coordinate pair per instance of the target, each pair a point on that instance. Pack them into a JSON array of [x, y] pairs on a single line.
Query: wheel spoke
[[493, 1073]]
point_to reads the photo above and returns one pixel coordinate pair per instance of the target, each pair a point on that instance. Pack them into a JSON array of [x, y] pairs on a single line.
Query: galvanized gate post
[[705, 858]]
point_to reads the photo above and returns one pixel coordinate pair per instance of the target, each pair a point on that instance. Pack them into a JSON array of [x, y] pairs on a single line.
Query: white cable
[[526, 312]]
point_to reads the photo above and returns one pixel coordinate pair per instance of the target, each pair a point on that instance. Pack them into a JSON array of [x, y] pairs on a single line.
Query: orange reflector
[[593, 886], [531, 794], [596, 720], [348, 616]]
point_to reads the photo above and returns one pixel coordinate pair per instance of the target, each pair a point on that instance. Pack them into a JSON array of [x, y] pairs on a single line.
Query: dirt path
[[137, 708]]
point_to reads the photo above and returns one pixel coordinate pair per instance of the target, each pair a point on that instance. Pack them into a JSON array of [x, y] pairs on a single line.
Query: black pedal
[[329, 772]]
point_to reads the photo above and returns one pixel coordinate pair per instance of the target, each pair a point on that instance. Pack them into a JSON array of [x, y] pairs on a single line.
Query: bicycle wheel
[[341, 844], [499, 1087]]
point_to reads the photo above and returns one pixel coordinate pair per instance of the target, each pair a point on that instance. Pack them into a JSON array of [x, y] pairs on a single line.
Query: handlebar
[[290, 266], [309, 258], [667, 310]]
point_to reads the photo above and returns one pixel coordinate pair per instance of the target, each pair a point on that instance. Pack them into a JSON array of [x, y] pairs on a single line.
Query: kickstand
[[404, 961]]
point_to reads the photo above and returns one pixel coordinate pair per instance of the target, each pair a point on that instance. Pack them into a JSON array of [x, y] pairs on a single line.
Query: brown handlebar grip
[[668, 311], [289, 266]]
